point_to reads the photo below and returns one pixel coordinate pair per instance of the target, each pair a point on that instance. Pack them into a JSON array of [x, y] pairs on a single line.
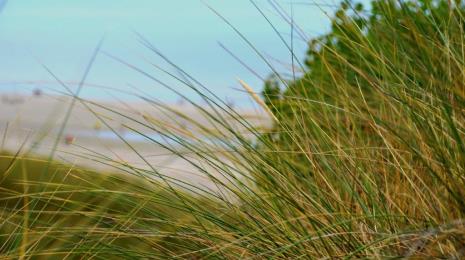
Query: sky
[[63, 34]]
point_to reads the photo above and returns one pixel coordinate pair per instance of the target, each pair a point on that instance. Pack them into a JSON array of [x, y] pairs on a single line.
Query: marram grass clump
[[365, 159]]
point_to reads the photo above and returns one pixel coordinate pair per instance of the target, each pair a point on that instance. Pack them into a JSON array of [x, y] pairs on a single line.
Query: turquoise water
[[127, 135]]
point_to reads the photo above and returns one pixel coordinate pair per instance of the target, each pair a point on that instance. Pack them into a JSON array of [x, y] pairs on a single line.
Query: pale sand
[[29, 120]]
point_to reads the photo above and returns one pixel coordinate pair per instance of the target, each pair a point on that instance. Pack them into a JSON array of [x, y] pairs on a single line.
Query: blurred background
[[63, 34], [214, 42]]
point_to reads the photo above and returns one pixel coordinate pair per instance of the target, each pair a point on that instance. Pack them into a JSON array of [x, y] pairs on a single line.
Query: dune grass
[[365, 159], [68, 211]]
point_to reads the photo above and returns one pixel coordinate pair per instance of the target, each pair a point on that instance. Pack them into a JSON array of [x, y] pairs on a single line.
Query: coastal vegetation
[[365, 158]]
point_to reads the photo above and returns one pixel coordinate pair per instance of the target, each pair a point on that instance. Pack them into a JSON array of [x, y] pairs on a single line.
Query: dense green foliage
[[398, 66], [384, 86]]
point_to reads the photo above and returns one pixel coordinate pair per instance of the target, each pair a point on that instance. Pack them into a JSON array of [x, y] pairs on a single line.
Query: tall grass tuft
[[364, 159]]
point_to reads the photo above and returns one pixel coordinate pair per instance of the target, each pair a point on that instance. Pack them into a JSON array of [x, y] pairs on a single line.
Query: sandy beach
[[96, 137]]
